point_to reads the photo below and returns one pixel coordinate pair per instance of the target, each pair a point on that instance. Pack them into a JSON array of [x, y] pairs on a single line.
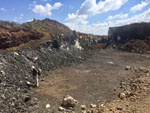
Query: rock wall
[[133, 37]]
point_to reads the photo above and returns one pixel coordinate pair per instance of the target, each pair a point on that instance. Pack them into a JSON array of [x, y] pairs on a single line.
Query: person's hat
[[32, 67]]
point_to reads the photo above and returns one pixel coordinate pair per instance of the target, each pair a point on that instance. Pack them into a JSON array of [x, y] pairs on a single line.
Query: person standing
[[36, 73]]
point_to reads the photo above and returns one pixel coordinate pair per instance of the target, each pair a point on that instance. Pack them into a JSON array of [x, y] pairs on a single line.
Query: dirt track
[[94, 81]]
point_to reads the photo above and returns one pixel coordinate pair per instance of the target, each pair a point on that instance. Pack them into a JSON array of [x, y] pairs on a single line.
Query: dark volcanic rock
[[133, 37]]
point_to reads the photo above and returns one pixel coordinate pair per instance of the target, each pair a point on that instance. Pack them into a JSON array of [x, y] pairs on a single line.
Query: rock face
[[133, 37]]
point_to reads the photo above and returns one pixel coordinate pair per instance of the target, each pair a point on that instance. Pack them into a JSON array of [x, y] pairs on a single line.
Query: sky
[[87, 16]]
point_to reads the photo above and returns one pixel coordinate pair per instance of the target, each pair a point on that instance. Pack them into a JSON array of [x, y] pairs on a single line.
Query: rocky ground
[[108, 82]]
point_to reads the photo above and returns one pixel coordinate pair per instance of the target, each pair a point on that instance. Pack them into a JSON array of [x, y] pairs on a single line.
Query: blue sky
[[88, 16]]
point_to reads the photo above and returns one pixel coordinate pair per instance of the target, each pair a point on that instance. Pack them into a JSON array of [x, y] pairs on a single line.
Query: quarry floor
[[95, 81]]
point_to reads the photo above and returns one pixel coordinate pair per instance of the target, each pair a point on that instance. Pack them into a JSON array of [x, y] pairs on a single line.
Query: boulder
[[127, 68], [69, 101], [61, 108], [119, 108], [27, 98], [122, 95], [47, 106], [93, 106], [83, 107]]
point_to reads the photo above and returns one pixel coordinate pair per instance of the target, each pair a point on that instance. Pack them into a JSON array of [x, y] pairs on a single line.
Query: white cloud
[[118, 16], [142, 17], [3, 9], [139, 7], [30, 20], [17, 19], [90, 7], [77, 19], [88, 28], [46, 10], [102, 28], [57, 5]]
